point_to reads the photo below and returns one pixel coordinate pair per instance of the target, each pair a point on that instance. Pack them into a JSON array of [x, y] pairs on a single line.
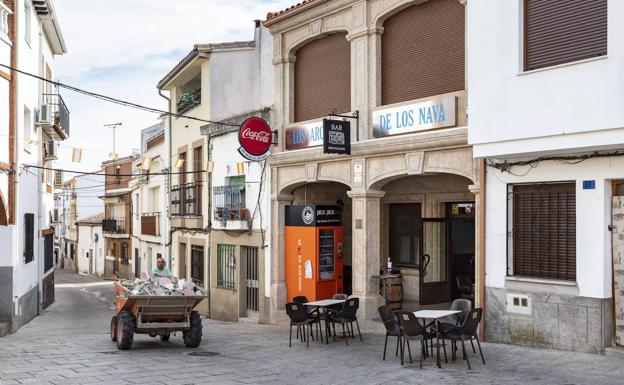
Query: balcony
[[114, 226], [53, 117], [188, 100], [150, 224], [229, 208], [186, 205]]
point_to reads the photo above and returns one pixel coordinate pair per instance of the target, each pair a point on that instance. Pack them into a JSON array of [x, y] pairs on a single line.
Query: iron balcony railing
[[186, 199], [229, 203], [114, 226], [188, 100], [150, 224], [58, 111]]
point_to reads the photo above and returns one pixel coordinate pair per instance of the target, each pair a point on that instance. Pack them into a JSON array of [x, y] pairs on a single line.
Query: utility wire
[[110, 99]]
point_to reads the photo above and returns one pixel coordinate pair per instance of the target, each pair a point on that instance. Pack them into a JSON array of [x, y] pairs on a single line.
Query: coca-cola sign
[[255, 138]]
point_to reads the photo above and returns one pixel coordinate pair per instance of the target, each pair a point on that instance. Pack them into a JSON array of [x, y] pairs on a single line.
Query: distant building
[[90, 246]]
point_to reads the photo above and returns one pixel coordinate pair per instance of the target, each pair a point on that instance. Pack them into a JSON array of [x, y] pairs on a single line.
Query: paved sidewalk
[[69, 344]]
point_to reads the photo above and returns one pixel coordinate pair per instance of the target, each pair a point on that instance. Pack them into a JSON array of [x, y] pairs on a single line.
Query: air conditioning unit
[[45, 114]]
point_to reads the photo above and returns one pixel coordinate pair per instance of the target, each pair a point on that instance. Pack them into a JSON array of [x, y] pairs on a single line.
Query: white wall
[[574, 106], [593, 211], [87, 243], [6, 240]]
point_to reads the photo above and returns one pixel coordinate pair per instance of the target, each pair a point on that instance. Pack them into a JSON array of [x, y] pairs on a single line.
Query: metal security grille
[[422, 51], [124, 254], [544, 230], [226, 266], [557, 32], [323, 77], [250, 256]]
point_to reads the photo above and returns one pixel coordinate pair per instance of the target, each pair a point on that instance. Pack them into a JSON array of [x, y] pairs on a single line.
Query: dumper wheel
[[192, 337], [125, 330], [113, 328], [165, 337]]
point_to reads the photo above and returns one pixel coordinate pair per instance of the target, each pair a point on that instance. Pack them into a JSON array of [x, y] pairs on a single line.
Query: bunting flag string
[[76, 155]]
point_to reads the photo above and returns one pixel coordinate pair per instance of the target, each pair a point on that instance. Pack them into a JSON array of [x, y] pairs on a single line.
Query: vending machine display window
[[326, 254]]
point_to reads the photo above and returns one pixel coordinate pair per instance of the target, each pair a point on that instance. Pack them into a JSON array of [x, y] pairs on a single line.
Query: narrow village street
[[69, 344]]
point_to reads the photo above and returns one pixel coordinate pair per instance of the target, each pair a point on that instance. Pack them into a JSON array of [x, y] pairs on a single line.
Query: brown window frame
[[542, 225], [559, 33]]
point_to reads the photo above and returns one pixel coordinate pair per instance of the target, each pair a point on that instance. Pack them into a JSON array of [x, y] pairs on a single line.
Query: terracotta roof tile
[[273, 17]]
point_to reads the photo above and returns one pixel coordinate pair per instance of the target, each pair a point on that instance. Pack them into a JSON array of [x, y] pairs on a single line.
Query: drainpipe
[[169, 234], [481, 272]]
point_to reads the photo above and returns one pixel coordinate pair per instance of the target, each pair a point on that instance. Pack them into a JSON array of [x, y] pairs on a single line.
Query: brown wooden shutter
[[422, 51], [544, 231], [323, 77], [557, 32]]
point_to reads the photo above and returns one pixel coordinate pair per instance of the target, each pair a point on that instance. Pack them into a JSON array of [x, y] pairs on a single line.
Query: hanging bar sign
[[336, 136]]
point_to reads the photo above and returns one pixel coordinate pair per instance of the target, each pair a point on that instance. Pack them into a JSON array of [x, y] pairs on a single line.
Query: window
[[422, 51], [323, 77], [226, 266], [543, 242], [118, 174], [27, 20], [557, 32], [182, 167], [28, 137], [124, 254], [29, 234]]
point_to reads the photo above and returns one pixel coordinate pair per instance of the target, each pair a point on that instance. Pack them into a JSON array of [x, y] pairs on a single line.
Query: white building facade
[[90, 246], [546, 113], [38, 119]]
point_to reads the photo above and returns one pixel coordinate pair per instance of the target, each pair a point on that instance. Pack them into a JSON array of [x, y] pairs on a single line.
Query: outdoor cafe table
[[325, 303], [436, 315]]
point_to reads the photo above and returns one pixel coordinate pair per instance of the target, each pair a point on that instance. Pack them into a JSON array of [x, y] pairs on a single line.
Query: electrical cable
[[110, 99]]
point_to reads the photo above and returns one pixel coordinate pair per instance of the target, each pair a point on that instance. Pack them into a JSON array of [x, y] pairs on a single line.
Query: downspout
[[209, 177], [482, 255], [168, 198]]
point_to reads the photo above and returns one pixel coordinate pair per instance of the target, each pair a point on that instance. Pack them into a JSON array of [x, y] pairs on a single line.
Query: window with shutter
[[422, 51], [544, 230], [323, 77], [557, 32], [29, 235]]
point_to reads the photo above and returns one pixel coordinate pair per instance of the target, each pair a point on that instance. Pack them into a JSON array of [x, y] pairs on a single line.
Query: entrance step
[[251, 318], [4, 329], [616, 351]]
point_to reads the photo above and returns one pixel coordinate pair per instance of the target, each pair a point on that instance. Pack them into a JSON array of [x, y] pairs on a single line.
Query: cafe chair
[[392, 325], [412, 329], [313, 313], [340, 296], [299, 317], [467, 331], [346, 316]]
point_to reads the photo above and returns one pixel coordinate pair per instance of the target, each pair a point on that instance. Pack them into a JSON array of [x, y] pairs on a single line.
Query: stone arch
[[310, 37], [393, 9], [292, 177]]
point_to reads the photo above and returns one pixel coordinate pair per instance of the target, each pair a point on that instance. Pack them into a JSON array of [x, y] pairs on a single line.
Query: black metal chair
[[467, 331], [299, 317], [412, 329], [460, 304], [340, 296], [346, 316], [313, 314], [393, 327]]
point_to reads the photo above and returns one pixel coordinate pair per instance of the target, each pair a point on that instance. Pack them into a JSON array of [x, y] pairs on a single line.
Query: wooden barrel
[[392, 290]]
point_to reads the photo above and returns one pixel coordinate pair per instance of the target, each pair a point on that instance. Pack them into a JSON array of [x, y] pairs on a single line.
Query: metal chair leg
[[402, 348], [358, 327], [344, 334], [444, 349], [385, 345], [464, 353], [480, 351], [409, 350], [397, 347], [290, 336], [422, 350], [304, 332]]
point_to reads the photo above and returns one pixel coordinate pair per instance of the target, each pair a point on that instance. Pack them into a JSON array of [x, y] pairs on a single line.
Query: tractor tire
[[125, 330], [192, 337], [165, 337], [113, 328]]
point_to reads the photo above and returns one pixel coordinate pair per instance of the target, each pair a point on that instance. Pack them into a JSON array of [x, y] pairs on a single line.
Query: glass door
[[434, 269]]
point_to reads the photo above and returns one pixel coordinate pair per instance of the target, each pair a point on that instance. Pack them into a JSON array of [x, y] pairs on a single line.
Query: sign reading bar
[[434, 113], [254, 136], [336, 137]]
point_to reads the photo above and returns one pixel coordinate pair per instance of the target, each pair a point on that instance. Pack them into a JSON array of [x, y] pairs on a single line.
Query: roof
[[149, 133], [197, 50], [45, 9], [92, 220], [125, 159], [274, 17]]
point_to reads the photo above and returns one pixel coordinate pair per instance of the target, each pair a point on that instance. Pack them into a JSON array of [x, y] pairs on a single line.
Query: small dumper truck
[[156, 315]]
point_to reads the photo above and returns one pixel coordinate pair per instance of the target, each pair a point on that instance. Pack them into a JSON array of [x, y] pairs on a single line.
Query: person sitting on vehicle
[[160, 269]]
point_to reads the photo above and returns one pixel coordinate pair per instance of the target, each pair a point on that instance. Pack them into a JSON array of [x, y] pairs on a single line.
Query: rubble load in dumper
[[161, 286]]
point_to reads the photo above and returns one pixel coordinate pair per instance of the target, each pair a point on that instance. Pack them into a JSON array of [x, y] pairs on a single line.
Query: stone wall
[[556, 321], [6, 294], [28, 305]]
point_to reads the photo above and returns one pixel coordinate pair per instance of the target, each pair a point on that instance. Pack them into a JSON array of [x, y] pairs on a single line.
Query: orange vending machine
[[313, 240]]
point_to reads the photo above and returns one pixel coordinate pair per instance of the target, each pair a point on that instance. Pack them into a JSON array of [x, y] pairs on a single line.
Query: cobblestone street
[[69, 344]]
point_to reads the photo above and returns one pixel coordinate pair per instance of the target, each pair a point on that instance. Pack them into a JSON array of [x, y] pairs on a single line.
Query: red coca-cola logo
[[254, 136]]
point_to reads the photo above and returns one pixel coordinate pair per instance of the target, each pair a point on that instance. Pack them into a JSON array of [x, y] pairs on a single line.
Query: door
[[250, 258], [197, 265], [90, 261], [434, 269], [617, 242], [405, 233], [182, 261], [137, 263]]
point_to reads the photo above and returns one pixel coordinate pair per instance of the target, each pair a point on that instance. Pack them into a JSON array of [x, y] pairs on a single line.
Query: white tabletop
[[434, 314], [325, 302]]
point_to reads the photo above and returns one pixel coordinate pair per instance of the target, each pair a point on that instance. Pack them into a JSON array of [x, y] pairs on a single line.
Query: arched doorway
[[428, 233]]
